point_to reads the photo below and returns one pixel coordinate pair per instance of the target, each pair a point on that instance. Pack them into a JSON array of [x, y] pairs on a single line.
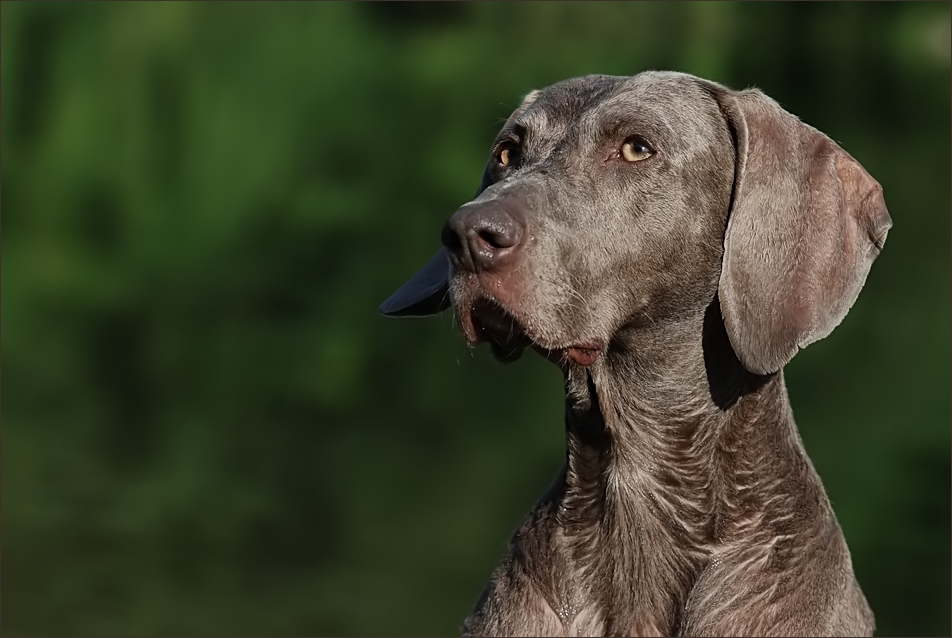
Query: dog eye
[[635, 149], [507, 154]]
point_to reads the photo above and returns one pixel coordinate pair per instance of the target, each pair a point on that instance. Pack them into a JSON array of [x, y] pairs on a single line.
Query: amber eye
[[635, 149], [507, 154]]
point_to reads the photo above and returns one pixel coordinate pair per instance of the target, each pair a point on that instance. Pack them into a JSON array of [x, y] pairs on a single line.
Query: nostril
[[498, 235], [479, 238], [492, 238]]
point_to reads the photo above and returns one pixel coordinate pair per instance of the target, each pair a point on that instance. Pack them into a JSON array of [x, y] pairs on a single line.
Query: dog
[[670, 244]]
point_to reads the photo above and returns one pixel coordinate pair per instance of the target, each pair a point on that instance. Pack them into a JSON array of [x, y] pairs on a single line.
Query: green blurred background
[[206, 427]]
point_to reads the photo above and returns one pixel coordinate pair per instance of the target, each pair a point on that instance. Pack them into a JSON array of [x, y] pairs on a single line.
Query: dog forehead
[[673, 100]]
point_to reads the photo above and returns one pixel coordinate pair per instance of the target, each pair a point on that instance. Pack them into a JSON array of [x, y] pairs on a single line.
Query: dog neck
[[671, 439]]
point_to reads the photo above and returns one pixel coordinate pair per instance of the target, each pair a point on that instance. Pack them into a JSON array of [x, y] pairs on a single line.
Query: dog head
[[614, 201]]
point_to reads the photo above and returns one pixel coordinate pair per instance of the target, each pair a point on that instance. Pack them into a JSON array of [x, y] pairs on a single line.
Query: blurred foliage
[[208, 430]]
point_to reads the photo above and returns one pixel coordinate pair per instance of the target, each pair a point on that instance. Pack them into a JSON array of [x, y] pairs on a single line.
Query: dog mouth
[[486, 320]]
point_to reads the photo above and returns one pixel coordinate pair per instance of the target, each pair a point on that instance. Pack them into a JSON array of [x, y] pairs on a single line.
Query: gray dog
[[670, 244]]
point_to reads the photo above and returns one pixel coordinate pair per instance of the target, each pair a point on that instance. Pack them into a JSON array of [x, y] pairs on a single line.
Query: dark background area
[[207, 429]]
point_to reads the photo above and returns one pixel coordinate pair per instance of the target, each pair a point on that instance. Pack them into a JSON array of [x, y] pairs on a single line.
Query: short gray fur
[[687, 504]]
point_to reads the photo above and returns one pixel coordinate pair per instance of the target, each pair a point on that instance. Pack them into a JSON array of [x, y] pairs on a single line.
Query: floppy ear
[[806, 223], [426, 293]]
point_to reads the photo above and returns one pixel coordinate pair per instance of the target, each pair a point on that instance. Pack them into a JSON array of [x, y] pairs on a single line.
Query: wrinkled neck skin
[[674, 454], [668, 439]]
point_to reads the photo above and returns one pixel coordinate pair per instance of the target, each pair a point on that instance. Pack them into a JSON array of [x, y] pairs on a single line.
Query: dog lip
[[484, 318], [496, 323], [487, 320], [471, 327], [585, 353]]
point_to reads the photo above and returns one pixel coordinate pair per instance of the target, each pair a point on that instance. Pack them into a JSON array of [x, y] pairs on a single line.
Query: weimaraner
[[670, 244]]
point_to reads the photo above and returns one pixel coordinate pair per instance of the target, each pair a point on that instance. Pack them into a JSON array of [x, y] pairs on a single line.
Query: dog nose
[[482, 237]]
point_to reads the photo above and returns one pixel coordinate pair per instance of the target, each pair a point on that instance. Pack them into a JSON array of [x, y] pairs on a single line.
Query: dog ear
[[426, 293], [806, 223]]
